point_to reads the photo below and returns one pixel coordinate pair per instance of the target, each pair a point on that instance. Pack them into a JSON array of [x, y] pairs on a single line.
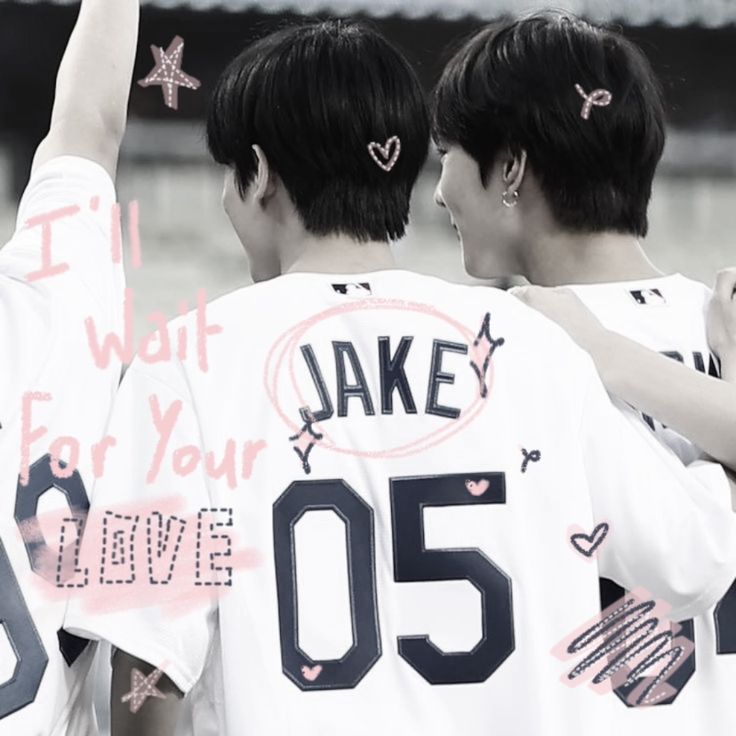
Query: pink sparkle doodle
[[168, 74], [598, 97], [305, 439], [388, 160], [481, 353], [142, 688]]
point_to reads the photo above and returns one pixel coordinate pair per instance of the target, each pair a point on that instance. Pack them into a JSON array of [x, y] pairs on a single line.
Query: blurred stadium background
[[187, 242]]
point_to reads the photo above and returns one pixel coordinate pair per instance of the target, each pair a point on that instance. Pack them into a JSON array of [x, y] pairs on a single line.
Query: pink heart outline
[[385, 152], [596, 538]]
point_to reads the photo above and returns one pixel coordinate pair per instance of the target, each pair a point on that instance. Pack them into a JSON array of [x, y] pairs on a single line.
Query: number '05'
[[412, 563]]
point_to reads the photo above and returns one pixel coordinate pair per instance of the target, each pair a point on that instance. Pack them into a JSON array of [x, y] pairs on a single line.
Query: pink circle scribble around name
[[281, 358]]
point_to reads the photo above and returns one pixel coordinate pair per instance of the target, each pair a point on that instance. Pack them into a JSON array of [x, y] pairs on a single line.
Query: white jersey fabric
[[411, 572], [668, 314], [44, 351]]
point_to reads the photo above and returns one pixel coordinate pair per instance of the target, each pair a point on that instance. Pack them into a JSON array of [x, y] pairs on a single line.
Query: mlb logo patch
[[358, 290], [648, 297]]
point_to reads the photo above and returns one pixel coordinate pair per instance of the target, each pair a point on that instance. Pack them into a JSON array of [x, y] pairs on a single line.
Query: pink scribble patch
[[168, 73], [620, 647]]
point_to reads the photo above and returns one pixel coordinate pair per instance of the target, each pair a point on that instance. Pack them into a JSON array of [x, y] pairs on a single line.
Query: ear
[[514, 170], [265, 180]]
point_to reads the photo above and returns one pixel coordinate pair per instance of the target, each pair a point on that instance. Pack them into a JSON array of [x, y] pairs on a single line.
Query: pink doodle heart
[[587, 544], [477, 489], [385, 151], [311, 673]]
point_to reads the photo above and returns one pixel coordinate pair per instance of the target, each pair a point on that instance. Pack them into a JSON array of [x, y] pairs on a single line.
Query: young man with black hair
[[55, 272], [550, 130], [404, 435]]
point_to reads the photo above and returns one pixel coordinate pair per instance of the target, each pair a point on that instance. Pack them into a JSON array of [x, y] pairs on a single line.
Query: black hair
[[513, 85], [313, 96]]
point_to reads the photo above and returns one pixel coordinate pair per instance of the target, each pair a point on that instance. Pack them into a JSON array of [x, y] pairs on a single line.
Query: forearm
[[156, 716], [96, 70], [699, 407], [93, 82]]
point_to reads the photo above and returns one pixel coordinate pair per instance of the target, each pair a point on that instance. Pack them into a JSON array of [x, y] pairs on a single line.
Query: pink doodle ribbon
[[598, 97]]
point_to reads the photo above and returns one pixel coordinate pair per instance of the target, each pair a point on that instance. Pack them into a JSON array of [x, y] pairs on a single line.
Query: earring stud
[[510, 199]]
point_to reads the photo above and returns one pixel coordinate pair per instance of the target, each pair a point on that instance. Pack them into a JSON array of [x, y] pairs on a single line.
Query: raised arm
[[699, 407], [93, 85]]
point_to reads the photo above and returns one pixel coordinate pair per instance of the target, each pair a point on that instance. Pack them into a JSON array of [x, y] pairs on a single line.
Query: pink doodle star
[[168, 74], [142, 687]]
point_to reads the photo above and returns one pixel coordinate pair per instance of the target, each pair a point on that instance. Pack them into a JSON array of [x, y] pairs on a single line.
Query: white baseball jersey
[[50, 387], [406, 485], [668, 314]]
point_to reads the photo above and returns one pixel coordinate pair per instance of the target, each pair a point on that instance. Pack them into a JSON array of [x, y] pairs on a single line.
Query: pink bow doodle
[[385, 151], [598, 97]]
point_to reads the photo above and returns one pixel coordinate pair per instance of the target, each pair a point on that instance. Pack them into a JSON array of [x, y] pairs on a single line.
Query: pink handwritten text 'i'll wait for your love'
[[153, 348]]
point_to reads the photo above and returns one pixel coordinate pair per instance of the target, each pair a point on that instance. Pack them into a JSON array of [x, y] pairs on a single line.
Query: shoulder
[[66, 181]]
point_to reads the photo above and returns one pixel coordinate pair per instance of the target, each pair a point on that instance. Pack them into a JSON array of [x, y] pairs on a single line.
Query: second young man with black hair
[[550, 131]]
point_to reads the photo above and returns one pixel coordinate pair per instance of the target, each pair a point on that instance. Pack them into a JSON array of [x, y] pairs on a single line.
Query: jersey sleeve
[[68, 203], [668, 531], [170, 628]]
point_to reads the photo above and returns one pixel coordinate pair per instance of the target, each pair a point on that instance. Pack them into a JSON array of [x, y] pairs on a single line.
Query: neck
[[560, 258], [337, 254]]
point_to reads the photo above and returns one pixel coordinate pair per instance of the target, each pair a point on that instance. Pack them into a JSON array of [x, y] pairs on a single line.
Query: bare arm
[[699, 407], [157, 716], [93, 85]]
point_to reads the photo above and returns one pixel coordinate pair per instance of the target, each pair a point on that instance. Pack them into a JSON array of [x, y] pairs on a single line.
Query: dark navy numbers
[[15, 618], [335, 495], [412, 563], [31, 658], [725, 618]]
